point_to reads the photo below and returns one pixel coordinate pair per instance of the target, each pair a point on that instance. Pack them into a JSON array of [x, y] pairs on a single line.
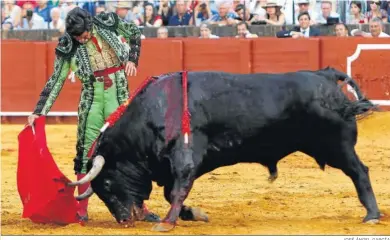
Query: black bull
[[254, 118]]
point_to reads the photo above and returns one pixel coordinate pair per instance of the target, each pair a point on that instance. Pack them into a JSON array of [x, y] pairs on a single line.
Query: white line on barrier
[[355, 56], [54, 114]]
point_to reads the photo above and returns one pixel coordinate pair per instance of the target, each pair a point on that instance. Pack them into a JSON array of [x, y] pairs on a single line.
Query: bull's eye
[[107, 185]]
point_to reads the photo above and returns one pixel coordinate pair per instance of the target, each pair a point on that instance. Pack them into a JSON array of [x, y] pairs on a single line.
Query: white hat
[[271, 3], [123, 4]]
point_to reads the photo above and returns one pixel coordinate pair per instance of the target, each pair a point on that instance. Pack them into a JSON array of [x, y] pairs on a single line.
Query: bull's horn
[[85, 194], [97, 166]]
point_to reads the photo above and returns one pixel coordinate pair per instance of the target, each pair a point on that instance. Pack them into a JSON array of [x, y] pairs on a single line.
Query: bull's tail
[[362, 105]]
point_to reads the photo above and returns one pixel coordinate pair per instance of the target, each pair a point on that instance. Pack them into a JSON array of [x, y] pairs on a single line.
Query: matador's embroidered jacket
[[70, 54], [99, 66]]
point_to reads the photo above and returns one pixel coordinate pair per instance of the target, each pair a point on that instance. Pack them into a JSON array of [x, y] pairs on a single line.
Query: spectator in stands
[[30, 19], [387, 9], [57, 22], [92, 6], [326, 12], [54, 3], [249, 17], [205, 31], [20, 3], [182, 17], [224, 16], [162, 32], [100, 8], [355, 15], [11, 15], [152, 18], [303, 7], [341, 30], [137, 8], [375, 11], [70, 4], [123, 9], [273, 15], [43, 10], [235, 3], [243, 31], [304, 30], [165, 10], [376, 30], [63, 6], [344, 7], [203, 12]]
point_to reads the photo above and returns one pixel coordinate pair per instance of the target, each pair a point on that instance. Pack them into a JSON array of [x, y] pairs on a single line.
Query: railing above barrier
[[184, 31]]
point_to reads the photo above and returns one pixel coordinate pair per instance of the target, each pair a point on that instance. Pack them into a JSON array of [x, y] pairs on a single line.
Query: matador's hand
[[130, 69], [31, 119]]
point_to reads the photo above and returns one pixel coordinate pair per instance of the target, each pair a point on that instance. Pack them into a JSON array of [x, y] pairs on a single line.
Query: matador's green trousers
[[99, 98]]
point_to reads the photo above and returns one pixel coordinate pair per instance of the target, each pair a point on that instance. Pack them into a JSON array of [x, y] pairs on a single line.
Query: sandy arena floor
[[238, 199]]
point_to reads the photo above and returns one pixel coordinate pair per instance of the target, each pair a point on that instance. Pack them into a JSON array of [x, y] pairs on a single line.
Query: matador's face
[[84, 37]]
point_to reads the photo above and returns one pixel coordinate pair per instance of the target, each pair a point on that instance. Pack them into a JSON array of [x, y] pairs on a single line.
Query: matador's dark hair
[[78, 21]]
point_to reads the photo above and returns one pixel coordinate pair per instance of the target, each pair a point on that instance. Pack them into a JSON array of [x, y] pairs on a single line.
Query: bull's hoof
[[163, 227], [199, 215], [151, 217], [272, 177]]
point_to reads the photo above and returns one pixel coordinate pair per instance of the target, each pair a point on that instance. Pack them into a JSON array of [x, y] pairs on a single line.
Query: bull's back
[[247, 98]]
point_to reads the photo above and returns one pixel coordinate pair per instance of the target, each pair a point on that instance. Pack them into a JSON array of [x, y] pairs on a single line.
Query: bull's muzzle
[[98, 163]]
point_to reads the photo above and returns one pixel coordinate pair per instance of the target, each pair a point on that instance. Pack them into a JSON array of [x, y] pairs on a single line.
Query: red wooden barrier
[[26, 66]]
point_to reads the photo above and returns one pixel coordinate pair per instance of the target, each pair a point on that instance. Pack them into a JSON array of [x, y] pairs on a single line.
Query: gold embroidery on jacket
[[106, 59]]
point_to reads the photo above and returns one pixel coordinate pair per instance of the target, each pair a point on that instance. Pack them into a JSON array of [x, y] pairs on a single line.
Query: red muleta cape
[[41, 185]]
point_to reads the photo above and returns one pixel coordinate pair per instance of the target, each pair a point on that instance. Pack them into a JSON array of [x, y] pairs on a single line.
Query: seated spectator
[[92, 6], [326, 12], [123, 9], [20, 3], [99, 9], [243, 31], [341, 30], [162, 32], [182, 17], [224, 16], [152, 19], [235, 3], [273, 14], [30, 19], [43, 10], [203, 12], [249, 17], [345, 7], [376, 30], [355, 15], [375, 11], [304, 30], [57, 22], [165, 10], [205, 31], [304, 7], [70, 4], [11, 15]]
